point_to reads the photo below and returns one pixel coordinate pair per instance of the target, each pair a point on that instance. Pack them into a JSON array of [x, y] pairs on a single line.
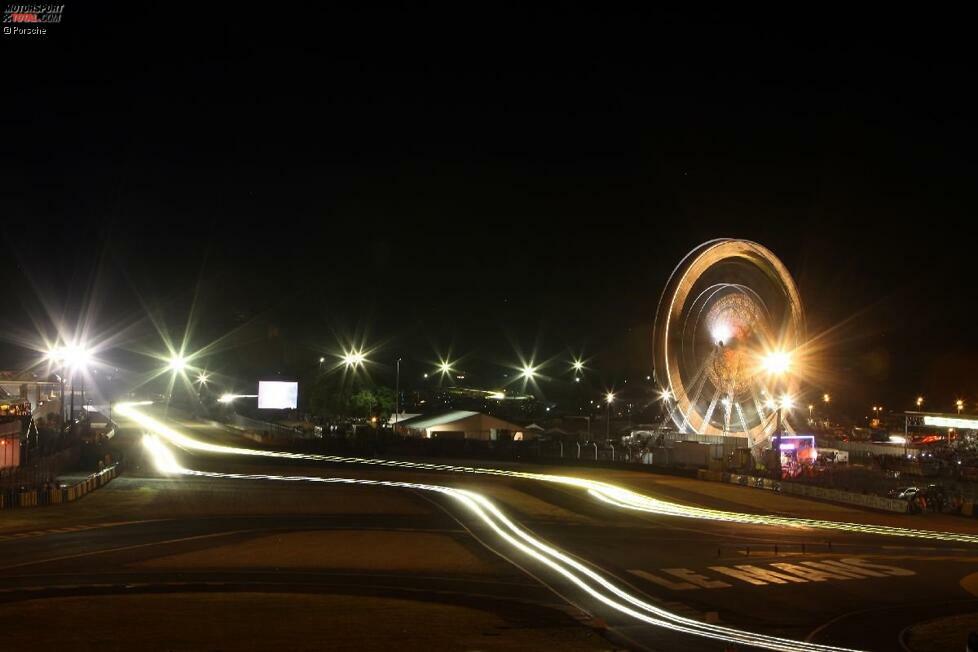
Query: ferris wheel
[[727, 321]]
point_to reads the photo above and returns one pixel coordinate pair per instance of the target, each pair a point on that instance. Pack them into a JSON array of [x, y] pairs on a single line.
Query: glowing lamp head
[[609, 397], [777, 362], [55, 354], [73, 356], [226, 398], [177, 363], [665, 395], [787, 402], [578, 365], [202, 378], [353, 359], [445, 368], [528, 372]]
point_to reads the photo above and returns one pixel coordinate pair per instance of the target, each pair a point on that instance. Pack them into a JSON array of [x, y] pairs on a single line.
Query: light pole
[[397, 393], [777, 363], [61, 377], [588, 418], [69, 358], [609, 397], [920, 401], [960, 405]]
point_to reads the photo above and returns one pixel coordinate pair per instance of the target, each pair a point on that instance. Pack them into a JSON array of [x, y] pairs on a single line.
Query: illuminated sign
[[275, 395], [950, 422]]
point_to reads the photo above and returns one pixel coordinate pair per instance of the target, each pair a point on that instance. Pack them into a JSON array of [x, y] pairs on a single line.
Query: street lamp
[[397, 393], [353, 359], [177, 363], [609, 398], [777, 363], [70, 358], [826, 398], [920, 401], [444, 368], [960, 405]]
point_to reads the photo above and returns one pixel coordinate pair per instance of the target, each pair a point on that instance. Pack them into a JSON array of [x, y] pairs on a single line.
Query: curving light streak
[[608, 493], [586, 579]]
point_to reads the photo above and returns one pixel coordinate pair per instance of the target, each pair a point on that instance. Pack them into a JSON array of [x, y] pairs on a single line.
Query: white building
[[462, 424]]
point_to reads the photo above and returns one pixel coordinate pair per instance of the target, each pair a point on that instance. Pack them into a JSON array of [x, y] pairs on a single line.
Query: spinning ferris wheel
[[725, 321]]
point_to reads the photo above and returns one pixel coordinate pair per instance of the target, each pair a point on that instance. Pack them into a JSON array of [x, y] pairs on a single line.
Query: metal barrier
[[39, 497], [808, 491]]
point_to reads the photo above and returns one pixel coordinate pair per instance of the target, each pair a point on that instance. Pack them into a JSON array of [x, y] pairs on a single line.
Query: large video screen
[[275, 395]]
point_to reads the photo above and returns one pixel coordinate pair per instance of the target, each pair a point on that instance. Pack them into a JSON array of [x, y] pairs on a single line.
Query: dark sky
[[492, 181]]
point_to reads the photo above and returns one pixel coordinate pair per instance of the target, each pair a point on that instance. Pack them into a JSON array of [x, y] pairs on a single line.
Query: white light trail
[[608, 493], [586, 579], [229, 398]]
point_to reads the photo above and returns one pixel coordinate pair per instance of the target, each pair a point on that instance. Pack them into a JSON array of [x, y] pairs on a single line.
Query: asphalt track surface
[[847, 589]]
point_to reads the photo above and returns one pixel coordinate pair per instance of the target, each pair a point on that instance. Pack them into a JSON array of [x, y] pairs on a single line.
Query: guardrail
[[808, 491], [58, 495]]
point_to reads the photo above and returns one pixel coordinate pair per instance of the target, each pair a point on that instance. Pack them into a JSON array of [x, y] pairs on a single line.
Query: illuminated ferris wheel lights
[[721, 333], [786, 402], [735, 295]]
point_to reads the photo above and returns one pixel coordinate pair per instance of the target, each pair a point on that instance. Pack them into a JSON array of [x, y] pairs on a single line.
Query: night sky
[[489, 182]]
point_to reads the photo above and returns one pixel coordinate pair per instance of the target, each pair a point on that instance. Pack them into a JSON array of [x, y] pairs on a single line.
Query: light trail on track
[[604, 492], [591, 582]]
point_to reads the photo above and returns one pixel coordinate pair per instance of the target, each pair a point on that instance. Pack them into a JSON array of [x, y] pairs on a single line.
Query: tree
[[332, 398]]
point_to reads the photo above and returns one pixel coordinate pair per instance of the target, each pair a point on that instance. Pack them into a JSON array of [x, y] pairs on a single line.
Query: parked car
[[904, 493]]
